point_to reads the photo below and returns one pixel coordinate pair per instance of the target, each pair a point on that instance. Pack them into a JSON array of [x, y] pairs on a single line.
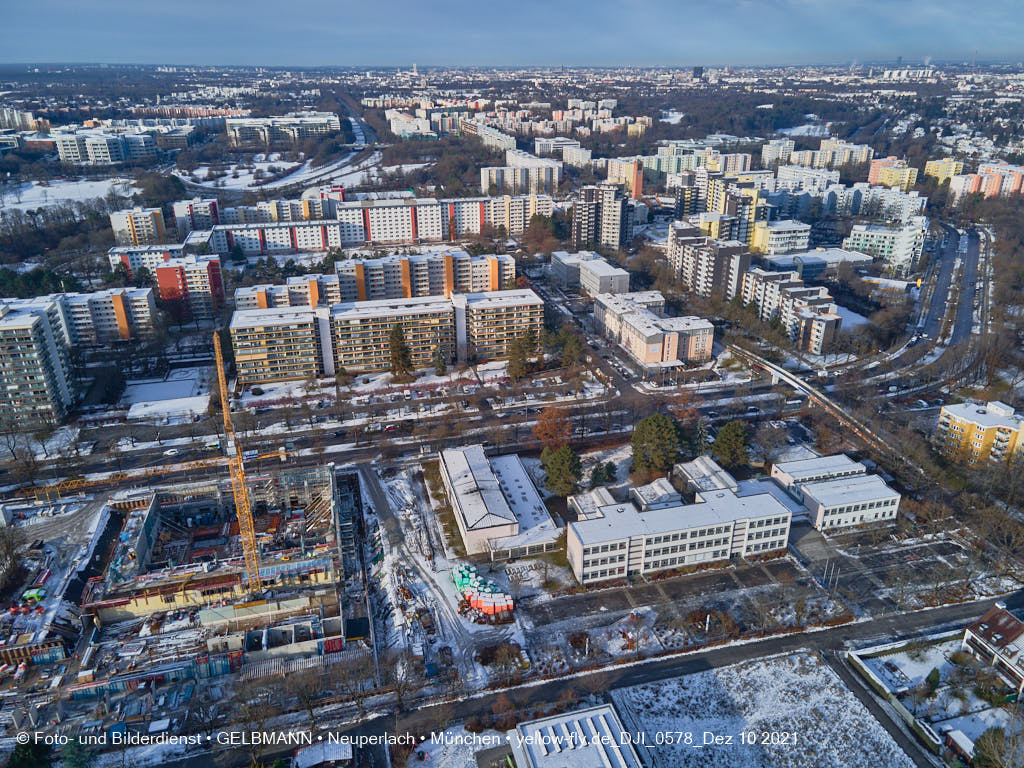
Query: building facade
[[138, 226], [979, 434]]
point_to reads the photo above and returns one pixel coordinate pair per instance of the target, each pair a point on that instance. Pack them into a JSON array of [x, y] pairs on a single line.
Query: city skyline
[[779, 32]]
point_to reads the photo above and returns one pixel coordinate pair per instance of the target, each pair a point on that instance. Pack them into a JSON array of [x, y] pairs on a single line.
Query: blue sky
[[541, 32]]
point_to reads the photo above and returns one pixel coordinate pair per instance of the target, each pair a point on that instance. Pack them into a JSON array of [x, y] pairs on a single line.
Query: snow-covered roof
[[855, 489], [705, 474], [802, 469], [478, 494], [587, 738], [323, 752]]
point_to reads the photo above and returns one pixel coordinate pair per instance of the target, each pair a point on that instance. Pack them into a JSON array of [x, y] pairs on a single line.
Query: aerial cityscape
[[645, 392]]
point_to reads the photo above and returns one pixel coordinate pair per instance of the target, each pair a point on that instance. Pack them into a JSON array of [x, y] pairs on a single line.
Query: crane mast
[[239, 484]]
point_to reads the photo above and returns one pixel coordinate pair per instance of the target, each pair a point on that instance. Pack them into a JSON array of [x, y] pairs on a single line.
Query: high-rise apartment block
[[806, 312], [195, 214], [900, 245], [522, 173], [777, 151], [706, 266], [35, 368], [94, 147], [191, 286], [777, 237], [133, 257], [993, 179], [115, 314], [282, 343], [601, 216], [892, 172], [833, 154], [138, 226], [388, 221], [491, 137], [943, 170]]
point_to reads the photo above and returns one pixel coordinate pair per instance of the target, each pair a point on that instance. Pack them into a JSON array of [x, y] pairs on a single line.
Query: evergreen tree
[[730, 447], [656, 445], [520, 352], [440, 366], [572, 350], [563, 469], [401, 357]]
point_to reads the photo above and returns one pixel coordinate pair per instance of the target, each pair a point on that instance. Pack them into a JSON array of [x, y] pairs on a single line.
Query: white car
[[171, 452]]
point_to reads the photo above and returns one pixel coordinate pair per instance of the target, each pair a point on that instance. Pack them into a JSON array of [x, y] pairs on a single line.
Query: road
[[425, 715]]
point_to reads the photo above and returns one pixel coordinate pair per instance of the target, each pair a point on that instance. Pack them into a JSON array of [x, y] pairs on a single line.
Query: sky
[[512, 32]]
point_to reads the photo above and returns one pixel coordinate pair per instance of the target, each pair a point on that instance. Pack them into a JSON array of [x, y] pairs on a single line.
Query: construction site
[[192, 589]]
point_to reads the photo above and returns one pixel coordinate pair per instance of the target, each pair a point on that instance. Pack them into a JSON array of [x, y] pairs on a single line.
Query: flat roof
[[848, 490], [993, 414], [250, 318], [478, 494], [803, 468], [586, 738], [535, 523], [385, 307], [614, 522], [602, 268], [510, 298]]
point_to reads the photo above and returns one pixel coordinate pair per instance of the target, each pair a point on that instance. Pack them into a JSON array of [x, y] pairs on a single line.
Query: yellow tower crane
[[239, 484]]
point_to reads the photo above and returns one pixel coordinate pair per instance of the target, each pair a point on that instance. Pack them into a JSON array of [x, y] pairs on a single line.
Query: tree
[[401, 357], [520, 354], [656, 446], [730, 447], [553, 427], [74, 754], [563, 469], [572, 350], [602, 474], [440, 366]]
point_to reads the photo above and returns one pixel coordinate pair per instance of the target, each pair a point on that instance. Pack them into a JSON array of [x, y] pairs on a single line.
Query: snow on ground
[[909, 668], [63, 441], [671, 116], [183, 393], [808, 129], [850, 318], [796, 695], [453, 748], [37, 194]]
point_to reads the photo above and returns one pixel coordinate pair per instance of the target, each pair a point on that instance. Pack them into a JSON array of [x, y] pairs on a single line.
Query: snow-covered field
[[796, 695], [671, 116], [36, 194], [808, 129], [183, 393]]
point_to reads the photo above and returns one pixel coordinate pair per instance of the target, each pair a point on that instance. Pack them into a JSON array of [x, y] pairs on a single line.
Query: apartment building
[[892, 172], [541, 178], [426, 274], [800, 178], [138, 226], [134, 257], [553, 145], [635, 322], [389, 221], [35, 368], [601, 216], [627, 172], [656, 530], [943, 170], [900, 245], [706, 266], [279, 344], [833, 154], [862, 199], [490, 137], [191, 287], [837, 492], [95, 147], [806, 312], [776, 237], [487, 323], [115, 314], [354, 336], [198, 213], [290, 128], [297, 291], [993, 179], [979, 434], [777, 151]]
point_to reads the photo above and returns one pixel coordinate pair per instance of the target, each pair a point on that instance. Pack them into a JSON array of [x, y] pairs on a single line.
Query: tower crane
[[239, 484]]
